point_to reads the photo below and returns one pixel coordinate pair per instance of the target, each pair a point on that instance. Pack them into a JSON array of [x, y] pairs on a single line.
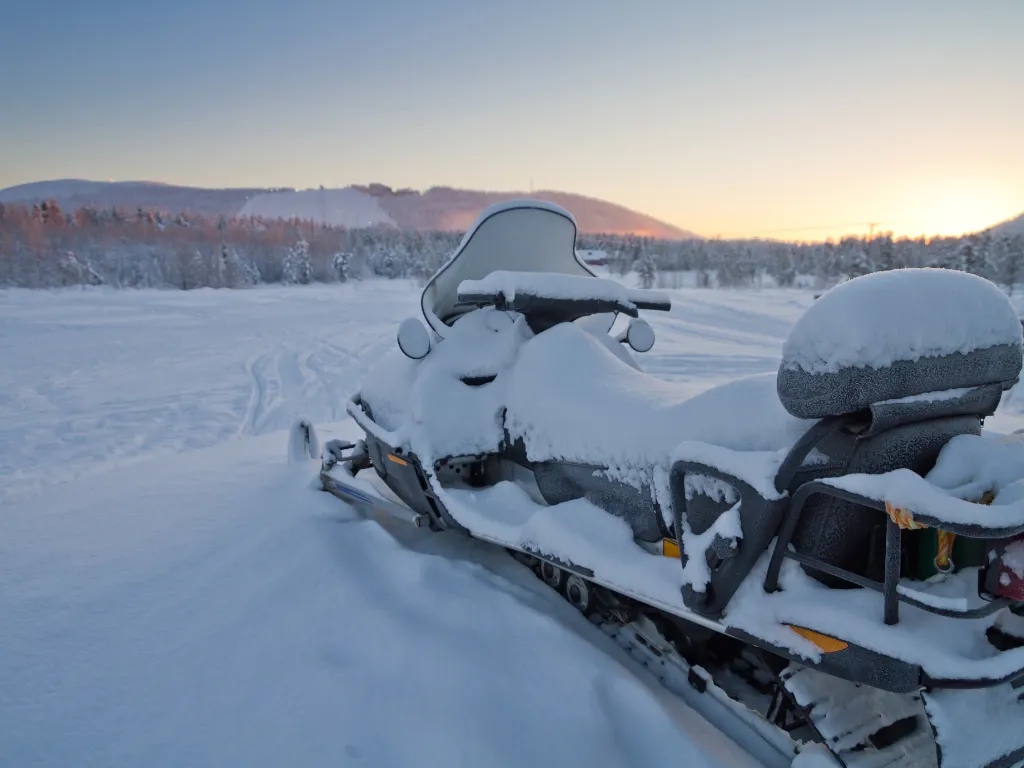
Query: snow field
[[174, 592]]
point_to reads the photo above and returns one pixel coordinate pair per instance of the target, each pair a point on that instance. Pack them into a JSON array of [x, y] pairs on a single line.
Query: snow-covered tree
[[967, 257], [1012, 266], [646, 269], [76, 272], [297, 266], [236, 272], [197, 271], [729, 273], [883, 253], [340, 266], [855, 258], [385, 262]]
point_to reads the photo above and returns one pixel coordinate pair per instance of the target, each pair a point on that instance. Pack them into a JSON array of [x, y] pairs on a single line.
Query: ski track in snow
[[173, 593]]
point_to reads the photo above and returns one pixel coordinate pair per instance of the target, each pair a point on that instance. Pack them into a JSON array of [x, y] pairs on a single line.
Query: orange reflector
[[669, 548], [401, 462], [826, 643]]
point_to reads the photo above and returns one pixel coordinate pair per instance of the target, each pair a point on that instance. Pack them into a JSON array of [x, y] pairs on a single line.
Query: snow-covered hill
[[130, 195], [1010, 227], [174, 593], [438, 208], [456, 209], [338, 207]]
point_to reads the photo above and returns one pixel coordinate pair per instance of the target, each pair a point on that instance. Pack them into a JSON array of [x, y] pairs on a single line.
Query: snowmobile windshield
[[516, 236]]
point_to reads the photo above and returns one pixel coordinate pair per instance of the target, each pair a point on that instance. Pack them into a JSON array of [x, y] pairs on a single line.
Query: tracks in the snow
[[303, 381]]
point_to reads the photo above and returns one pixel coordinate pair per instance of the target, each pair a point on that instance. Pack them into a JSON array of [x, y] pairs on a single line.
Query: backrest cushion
[[899, 334]]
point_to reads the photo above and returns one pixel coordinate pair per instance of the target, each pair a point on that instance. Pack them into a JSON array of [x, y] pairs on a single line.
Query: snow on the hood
[[903, 314], [557, 286], [436, 405]]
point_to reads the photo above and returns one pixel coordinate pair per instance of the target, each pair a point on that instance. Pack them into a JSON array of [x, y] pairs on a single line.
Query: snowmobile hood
[[516, 236]]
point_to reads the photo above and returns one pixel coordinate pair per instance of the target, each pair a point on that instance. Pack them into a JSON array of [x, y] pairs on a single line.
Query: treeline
[[712, 263], [42, 246]]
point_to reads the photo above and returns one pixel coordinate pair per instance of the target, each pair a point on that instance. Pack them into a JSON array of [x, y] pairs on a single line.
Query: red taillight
[[1009, 584]]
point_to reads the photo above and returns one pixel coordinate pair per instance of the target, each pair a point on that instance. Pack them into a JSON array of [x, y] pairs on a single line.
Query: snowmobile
[[831, 553]]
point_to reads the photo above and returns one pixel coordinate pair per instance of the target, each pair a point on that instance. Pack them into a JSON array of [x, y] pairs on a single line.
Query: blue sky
[[725, 117]]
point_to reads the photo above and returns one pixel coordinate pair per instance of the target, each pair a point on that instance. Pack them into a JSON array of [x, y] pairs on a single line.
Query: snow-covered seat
[[567, 399], [593, 426]]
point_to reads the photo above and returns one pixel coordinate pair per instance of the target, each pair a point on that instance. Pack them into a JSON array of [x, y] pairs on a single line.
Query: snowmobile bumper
[[400, 471]]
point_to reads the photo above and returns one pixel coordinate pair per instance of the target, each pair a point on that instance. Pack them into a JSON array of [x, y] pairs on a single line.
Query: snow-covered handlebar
[[548, 299]]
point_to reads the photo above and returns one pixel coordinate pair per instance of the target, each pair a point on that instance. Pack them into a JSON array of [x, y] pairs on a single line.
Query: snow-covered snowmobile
[[835, 547]]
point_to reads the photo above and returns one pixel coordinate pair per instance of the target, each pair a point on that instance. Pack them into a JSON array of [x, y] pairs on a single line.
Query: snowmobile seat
[[569, 400], [888, 391], [590, 425]]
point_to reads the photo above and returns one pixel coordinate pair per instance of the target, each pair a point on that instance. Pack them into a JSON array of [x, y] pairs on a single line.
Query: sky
[[787, 119]]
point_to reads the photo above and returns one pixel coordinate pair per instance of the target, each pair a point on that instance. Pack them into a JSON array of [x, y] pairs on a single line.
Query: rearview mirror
[[640, 335], [413, 339]]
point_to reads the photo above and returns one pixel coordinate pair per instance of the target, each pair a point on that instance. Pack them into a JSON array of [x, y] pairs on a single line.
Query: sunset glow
[[798, 121]]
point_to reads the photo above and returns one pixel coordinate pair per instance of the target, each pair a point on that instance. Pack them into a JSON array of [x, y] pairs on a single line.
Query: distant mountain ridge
[[75, 193], [438, 208]]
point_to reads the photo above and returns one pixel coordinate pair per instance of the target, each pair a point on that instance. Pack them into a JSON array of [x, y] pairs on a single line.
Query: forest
[[43, 246]]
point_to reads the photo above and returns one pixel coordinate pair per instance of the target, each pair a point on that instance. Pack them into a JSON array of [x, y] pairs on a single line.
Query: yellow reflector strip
[[401, 462], [669, 548], [826, 643]]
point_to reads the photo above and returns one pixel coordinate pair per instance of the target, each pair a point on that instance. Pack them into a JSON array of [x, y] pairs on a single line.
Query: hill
[[75, 193], [438, 208], [1010, 227]]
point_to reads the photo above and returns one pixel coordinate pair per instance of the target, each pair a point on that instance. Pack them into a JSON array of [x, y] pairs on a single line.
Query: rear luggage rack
[[890, 586]]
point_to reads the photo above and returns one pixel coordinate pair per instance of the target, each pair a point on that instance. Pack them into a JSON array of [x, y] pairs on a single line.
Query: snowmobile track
[[850, 719]]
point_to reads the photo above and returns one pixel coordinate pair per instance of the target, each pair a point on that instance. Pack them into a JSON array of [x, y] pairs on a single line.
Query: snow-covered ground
[[172, 592]]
